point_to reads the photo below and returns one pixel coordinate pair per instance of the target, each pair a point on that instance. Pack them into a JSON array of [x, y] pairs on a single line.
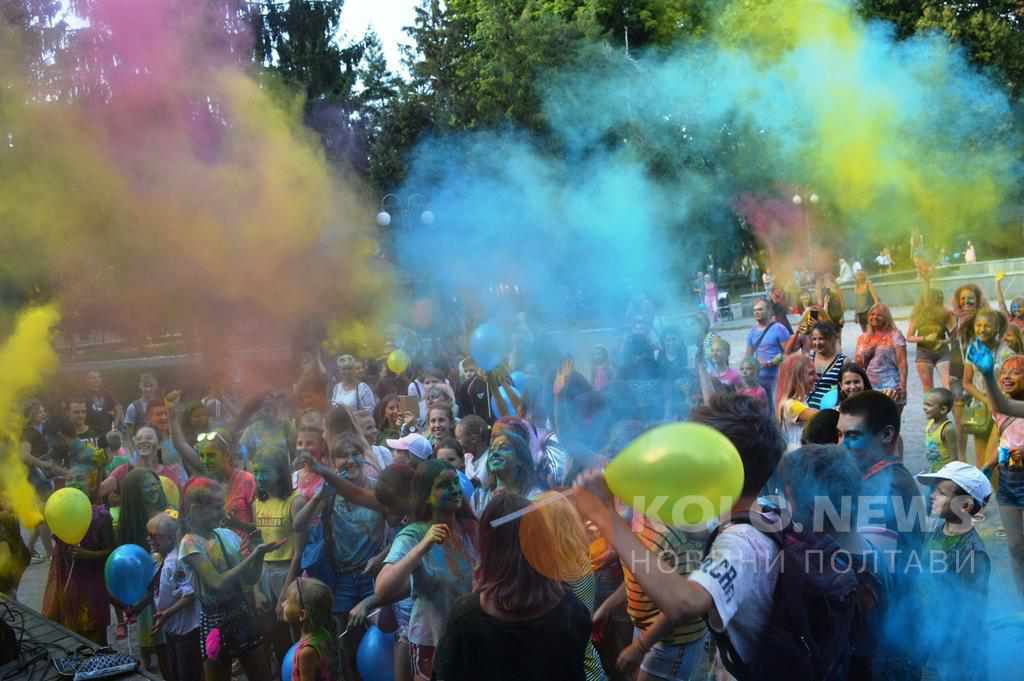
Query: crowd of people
[[467, 513]]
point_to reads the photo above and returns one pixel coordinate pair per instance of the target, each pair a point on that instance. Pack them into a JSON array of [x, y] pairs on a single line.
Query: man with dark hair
[[733, 586], [78, 413], [103, 410], [892, 507]]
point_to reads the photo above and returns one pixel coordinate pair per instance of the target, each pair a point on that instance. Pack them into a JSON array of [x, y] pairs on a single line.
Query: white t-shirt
[[359, 399], [740, 573]]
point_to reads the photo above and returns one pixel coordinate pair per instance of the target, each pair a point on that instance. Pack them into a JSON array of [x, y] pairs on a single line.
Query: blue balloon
[[288, 663], [128, 573], [830, 399], [487, 347], [375, 657], [501, 403], [467, 486]]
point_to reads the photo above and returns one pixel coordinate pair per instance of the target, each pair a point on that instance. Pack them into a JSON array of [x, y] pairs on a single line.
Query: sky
[[387, 17]]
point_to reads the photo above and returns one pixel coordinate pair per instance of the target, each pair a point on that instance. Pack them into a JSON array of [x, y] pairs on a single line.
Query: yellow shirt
[[274, 521]]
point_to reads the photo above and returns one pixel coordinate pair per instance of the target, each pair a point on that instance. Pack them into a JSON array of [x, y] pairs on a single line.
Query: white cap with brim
[[965, 476], [415, 444]]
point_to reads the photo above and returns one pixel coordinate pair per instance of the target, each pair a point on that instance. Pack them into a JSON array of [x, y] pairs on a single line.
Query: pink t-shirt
[[756, 392], [731, 377]]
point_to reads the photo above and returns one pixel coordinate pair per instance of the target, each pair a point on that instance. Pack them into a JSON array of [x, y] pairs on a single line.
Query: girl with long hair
[[795, 382], [852, 380], [516, 607], [973, 409], [828, 361], [510, 467], [388, 417], [433, 558]]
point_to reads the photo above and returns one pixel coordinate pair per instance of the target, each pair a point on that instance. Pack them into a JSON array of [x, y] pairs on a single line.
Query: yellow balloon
[[171, 491], [683, 474], [68, 514], [398, 361]]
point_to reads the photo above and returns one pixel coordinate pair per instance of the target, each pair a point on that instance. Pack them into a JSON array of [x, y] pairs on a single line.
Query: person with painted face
[[869, 427], [434, 558], [275, 508], [967, 300], [76, 592], [223, 582], [1007, 451], [309, 440], [511, 468], [347, 546], [974, 408], [215, 460], [142, 497]]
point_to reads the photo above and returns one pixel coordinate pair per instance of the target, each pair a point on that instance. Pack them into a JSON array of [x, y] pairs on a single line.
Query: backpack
[[817, 608]]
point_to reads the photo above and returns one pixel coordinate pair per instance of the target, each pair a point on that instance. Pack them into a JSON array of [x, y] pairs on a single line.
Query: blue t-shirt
[[444, 574], [359, 534], [771, 347]]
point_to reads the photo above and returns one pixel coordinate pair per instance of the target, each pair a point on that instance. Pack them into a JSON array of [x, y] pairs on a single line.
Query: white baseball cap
[[415, 444], [965, 476]]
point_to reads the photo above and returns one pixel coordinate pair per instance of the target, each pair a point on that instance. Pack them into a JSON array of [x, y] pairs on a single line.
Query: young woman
[[516, 608], [930, 323], [142, 497], [388, 417], [76, 593], [853, 380], [195, 420], [828, 361], [348, 544], [433, 557], [349, 391], [719, 356], [975, 405], [511, 468], [796, 380], [882, 351], [864, 298], [223, 583], [601, 371], [147, 456], [440, 422]]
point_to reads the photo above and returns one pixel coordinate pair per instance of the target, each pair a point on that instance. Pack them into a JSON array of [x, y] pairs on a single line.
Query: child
[[750, 387], [959, 589], [223, 584], [177, 610], [308, 606], [940, 440], [719, 357]]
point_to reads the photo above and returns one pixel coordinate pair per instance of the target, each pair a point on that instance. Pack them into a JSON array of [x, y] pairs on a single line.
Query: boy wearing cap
[[411, 450], [958, 568]]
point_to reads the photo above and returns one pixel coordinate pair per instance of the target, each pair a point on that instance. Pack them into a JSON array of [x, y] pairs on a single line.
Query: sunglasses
[[212, 437]]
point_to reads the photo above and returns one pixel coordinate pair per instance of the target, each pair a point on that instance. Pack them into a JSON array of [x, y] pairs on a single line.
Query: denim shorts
[[1011, 487], [349, 589], [676, 662]]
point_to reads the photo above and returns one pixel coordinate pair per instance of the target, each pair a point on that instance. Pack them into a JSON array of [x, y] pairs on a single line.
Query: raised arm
[[247, 572], [981, 357], [674, 594], [1000, 295], [393, 578], [188, 453], [360, 496]]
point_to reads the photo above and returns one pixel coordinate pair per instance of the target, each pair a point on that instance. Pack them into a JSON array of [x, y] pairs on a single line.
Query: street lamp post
[[798, 201]]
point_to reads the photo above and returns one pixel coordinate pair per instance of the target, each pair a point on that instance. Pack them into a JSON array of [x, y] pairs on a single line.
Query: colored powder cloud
[[156, 183], [649, 162], [27, 358]]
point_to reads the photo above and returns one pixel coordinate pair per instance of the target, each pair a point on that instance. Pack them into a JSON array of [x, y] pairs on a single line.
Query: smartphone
[[409, 403], [814, 314]]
